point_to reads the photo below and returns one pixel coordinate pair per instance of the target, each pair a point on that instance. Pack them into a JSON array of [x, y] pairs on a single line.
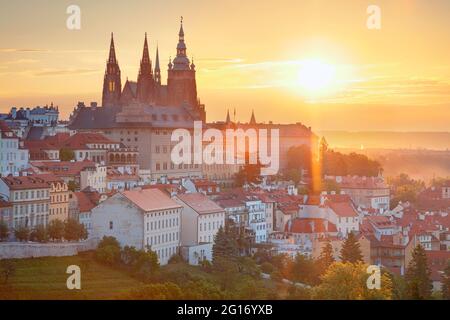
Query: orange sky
[[249, 55]]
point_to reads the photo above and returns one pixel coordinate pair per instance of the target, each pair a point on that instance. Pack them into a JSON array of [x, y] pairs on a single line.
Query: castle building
[[143, 114]]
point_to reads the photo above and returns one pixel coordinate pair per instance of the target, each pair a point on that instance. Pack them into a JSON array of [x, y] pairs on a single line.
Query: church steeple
[[112, 86], [181, 84], [252, 119], [157, 68], [228, 120], [181, 61], [145, 82], [145, 55], [112, 51]]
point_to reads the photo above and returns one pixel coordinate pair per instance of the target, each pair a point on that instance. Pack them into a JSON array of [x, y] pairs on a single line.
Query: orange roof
[[26, 182], [343, 209], [87, 200], [82, 139], [63, 168], [150, 199], [305, 225], [200, 203], [6, 131]]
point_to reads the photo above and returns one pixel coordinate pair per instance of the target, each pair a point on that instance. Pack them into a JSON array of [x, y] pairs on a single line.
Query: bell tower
[[181, 83], [112, 86]]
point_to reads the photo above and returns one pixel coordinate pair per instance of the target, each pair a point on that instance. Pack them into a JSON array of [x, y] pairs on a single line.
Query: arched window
[[111, 157], [122, 158]]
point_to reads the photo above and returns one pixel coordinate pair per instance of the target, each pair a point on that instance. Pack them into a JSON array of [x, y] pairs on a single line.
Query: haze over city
[[393, 79]]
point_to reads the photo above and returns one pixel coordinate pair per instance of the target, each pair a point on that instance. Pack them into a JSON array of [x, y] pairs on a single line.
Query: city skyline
[[372, 74]]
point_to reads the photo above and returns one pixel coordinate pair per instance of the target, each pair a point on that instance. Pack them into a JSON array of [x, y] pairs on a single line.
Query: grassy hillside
[[45, 278]]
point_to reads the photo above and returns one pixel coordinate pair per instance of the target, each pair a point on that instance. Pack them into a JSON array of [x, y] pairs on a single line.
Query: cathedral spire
[[112, 51], [157, 68], [252, 119], [181, 61], [145, 82], [111, 83], [145, 54], [228, 120]]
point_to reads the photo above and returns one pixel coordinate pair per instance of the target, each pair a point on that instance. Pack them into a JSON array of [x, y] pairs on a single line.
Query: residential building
[[59, 197], [200, 222], [144, 219], [366, 192], [29, 197], [13, 156]]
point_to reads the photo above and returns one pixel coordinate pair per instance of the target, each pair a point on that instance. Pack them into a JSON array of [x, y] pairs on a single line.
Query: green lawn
[[45, 278]]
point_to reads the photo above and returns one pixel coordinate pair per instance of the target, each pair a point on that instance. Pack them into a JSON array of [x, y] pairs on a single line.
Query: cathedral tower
[[145, 83], [181, 82], [112, 86]]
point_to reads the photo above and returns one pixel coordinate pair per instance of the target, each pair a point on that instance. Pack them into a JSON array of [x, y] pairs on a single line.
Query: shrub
[[267, 267]]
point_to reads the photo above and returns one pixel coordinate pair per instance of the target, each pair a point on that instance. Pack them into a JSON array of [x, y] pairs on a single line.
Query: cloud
[[62, 72], [22, 50], [25, 50], [20, 61]]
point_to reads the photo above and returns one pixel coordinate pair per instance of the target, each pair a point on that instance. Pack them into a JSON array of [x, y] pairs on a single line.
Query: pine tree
[[351, 252], [418, 282], [326, 257], [446, 283], [225, 245]]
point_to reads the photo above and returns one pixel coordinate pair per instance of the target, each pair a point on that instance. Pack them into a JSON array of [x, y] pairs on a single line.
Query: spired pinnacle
[[112, 51], [252, 119]]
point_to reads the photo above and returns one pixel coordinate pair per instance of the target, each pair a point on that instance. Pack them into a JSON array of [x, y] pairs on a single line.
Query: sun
[[315, 76]]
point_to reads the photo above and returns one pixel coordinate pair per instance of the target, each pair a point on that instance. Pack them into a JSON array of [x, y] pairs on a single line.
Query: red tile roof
[[63, 168], [200, 203], [87, 200], [6, 131], [27, 182], [437, 262], [82, 139], [305, 225], [342, 209], [150, 199]]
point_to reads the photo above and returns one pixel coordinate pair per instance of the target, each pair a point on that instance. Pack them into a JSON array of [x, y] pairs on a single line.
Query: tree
[[294, 175], [108, 251], [146, 265], [74, 230], [326, 257], [300, 158], [226, 272], [157, 291], [66, 154], [22, 233], [404, 189], [418, 282], [351, 251], [224, 246], [303, 270], [56, 230], [348, 281], [7, 269], [4, 231], [39, 234], [176, 258], [446, 282], [267, 267]]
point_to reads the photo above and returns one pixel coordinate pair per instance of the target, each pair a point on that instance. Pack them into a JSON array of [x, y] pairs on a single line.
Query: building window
[[111, 225]]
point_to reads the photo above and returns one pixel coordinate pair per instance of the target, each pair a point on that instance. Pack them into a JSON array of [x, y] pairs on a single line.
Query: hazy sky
[[261, 55]]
